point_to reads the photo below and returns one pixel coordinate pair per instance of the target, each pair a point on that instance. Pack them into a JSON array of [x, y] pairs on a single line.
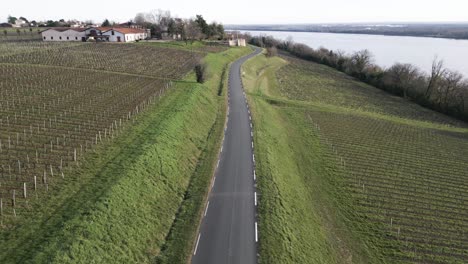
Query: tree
[[201, 22], [220, 31], [12, 19], [192, 30], [140, 19], [400, 78], [51, 23], [106, 23], [450, 89], [359, 62], [437, 71]]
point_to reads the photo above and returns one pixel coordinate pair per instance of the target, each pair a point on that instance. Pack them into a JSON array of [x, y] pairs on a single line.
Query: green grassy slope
[[121, 204], [349, 174]]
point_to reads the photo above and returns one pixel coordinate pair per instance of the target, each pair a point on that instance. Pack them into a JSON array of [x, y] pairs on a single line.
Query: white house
[[95, 33], [64, 34], [125, 34], [20, 23]]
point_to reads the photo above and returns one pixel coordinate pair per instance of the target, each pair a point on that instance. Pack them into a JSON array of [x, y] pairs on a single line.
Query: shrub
[[201, 72]]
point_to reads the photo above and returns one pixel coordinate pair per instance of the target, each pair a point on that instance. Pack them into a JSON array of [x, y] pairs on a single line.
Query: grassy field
[[118, 202], [349, 174]]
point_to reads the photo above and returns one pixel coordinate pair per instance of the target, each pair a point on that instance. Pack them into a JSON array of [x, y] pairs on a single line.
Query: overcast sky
[[247, 11]]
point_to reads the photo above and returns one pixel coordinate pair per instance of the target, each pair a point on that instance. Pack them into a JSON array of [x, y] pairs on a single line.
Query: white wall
[[53, 35], [113, 38]]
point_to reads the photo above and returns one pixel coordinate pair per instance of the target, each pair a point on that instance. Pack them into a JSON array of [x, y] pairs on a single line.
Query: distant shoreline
[[360, 32]]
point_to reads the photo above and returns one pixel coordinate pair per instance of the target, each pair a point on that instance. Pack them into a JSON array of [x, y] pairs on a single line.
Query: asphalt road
[[228, 233]]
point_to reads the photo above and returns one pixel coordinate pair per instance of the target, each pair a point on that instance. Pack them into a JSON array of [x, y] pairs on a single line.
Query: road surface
[[228, 233]]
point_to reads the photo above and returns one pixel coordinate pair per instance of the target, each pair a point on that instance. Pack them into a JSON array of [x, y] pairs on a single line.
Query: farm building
[[237, 42], [95, 33], [125, 34], [64, 34]]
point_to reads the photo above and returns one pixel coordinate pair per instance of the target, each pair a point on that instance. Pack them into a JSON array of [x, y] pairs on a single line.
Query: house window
[[51, 37], [68, 38], [44, 37], [60, 37], [76, 38], [113, 33]]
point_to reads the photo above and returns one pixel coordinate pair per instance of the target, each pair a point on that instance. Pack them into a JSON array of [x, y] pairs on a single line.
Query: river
[[387, 50]]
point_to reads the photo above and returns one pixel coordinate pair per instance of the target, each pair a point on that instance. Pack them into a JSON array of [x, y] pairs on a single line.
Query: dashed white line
[[250, 125], [255, 199], [198, 241], [214, 180], [256, 233], [208, 204], [217, 165], [222, 147], [253, 158], [251, 134], [252, 144], [254, 176]]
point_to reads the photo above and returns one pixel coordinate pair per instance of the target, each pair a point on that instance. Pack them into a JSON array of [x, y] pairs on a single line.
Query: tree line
[[442, 90], [163, 24]]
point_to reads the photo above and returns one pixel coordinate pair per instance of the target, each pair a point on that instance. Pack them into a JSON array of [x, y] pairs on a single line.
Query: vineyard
[[391, 172], [20, 34], [59, 100], [411, 180]]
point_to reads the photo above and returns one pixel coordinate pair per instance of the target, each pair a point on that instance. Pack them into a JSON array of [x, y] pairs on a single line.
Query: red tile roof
[[62, 29], [127, 30]]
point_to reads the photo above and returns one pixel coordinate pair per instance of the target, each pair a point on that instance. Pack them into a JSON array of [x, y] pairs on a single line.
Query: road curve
[[228, 232]]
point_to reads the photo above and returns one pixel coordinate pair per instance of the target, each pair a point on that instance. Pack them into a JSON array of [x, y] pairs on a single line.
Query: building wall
[[113, 38], [68, 35], [237, 42]]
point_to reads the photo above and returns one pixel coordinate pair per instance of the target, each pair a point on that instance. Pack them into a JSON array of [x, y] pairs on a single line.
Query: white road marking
[[253, 158], [256, 233], [214, 180], [251, 134], [252, 144], [217, 165], [222, 147], [198, 241], [208, 204], [250, 118], [250, 125], [255, 199], [254, 176]]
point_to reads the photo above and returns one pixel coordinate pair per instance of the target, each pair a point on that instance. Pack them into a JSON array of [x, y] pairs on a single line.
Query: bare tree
[[450, 90], [140, 19], [437, 71], [158, 17], [359, 62], [193, 31], [401, 77]]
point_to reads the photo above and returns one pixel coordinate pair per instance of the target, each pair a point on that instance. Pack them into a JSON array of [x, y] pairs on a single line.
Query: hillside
[[350, 174], [101, 145]]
